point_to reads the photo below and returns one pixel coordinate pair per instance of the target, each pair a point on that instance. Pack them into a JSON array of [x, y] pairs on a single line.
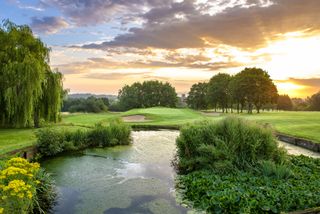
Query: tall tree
[[25, 77], [218, 91], [148, 94], [131, 96], [238, 95], [284, 103], [257, 87], [314, 102], [197, 98]]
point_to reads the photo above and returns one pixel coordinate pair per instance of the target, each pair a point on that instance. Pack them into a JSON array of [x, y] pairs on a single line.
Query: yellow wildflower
[[1, 210]]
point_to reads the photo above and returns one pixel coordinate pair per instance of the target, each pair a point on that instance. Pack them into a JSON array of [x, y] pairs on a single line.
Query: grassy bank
[[299, 124]]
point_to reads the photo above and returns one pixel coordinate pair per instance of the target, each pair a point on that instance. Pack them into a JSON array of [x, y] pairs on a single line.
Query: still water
[[137, 178], [125, 179]]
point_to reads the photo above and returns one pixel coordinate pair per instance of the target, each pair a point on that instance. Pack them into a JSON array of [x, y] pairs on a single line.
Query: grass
[[299, 124], [12, 139]]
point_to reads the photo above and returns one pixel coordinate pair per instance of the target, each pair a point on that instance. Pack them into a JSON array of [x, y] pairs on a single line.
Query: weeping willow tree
[[29, 90]]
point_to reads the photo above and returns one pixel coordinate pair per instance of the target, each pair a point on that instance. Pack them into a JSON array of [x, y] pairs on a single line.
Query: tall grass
[[53, 141], [229, 144]]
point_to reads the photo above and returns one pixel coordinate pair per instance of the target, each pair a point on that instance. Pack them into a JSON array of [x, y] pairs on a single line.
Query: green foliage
[[270, 169], [252, 87], [90, 104], [53, 141], [314, 101], [147, 94], [29, 90], [284, 103], [253, 192], [50, 141], [197, 98], [46, 193], [218, 91], [25, 187], [225, 145]]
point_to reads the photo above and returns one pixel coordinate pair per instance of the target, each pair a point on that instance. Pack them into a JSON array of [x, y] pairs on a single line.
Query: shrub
[[20, 184], [120, 133], [226, 145], [100, 136], [53, 141], [45, 193], [50, 141]]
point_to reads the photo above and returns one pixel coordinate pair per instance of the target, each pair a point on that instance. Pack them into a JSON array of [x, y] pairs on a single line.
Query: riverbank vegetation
[[30, 92], [235, 166], [25, 187], [51, 142], [298, 124]]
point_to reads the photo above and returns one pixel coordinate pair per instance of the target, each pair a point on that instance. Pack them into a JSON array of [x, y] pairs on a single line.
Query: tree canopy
[[284, 103], [218, 91], [90, 104], [251, 88], [29, 89], [147, 94], [314, 101], [197, 98]]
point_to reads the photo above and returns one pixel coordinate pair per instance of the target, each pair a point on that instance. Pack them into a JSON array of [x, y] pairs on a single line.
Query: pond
[[137, 178], [124, 179]]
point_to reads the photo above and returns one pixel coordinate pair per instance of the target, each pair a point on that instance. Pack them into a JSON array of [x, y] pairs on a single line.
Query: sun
[[292, 89]]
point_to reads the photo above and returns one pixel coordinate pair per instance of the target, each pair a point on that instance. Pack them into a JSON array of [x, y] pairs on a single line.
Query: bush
[[50, 141], [116, 133], [235, 166], [100, 136], [23, 187], [53, 141], [226, 145]]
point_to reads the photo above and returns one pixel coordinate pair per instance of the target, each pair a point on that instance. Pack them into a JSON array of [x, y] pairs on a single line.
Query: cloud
[[48, 24], [311, 82], [93, 12], [247, 27], [116, 76], [23, 5]]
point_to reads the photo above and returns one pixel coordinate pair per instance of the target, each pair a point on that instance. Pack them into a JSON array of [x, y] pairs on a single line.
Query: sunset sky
[[100, 45]]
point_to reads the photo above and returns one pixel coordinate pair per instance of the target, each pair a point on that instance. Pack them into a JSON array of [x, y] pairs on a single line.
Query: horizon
[[100, 46]]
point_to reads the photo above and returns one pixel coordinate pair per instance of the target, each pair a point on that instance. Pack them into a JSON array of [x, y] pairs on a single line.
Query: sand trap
[[212, 114], [135, 118]]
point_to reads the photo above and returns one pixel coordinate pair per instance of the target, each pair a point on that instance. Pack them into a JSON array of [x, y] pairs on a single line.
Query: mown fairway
[[299, 124]]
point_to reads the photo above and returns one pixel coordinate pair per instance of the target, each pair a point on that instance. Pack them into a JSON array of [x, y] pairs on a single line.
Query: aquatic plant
[[236, 166]]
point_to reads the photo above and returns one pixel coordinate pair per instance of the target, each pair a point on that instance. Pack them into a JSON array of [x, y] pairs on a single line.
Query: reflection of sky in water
[[122, 179], [296, 150]]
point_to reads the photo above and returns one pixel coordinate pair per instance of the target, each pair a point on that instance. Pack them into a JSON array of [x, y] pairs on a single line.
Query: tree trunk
[[36, 119]]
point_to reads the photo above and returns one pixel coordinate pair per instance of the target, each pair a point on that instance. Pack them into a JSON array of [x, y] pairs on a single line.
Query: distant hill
[[86, 95]]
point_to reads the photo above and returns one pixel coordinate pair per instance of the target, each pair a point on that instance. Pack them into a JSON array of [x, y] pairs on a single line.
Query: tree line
[[146, 94], [29, 90], [252, 88], [91, 104], [298, 104]]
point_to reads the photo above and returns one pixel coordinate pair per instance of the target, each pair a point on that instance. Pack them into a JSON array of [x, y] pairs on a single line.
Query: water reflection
[[123, 179]]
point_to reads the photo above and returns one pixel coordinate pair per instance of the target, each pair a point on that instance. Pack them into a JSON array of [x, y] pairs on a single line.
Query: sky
[[101, 45]]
